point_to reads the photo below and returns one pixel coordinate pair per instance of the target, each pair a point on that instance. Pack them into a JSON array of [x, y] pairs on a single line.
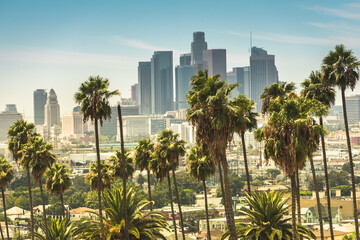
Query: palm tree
[[173, 148], [273, 91], [93, 97], [93, 177], [57, 229], [201, 168], [144, 225], [6, 175], [341, 68], [58, 181], [265, 219], [314, 88], [19, 134], [37, 156], [244, 120], [116, 164], [143, 152], [211, 113]]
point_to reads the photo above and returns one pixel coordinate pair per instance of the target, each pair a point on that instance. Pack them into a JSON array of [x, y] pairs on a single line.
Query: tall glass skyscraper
[[214, 60], [239, 75], [40, 96], [144, 80], [162, 97], [263, 73], [197, 47], [183, 74]]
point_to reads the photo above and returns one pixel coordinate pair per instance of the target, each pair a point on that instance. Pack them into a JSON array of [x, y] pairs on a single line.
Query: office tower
[[183, 74], [52, 110], [135, 93], [40, 96], [77, 109], [241, 76], [353, 108], [162, 97], [144, 79], [214, 60], [72, 123], [263, 73], [197, 47], [7, 118]]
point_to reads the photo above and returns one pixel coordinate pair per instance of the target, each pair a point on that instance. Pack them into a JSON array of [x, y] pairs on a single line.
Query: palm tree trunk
[[221, 182], [124, 177], [149, 189], [228, 202], [172, 206], [317, 198], [44, 210], [62, 204], [207, 212], [298, 195], [179, 205], [31, 205], [327, 185], [351, 163], [293, 206], [246, 162], [99, 177], [4, 206], [2, 234]]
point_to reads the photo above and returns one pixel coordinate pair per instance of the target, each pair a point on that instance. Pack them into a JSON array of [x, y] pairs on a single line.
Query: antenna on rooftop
[[250, 41]]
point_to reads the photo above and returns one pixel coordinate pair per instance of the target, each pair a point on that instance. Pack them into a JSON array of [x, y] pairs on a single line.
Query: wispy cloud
[[347, 11]]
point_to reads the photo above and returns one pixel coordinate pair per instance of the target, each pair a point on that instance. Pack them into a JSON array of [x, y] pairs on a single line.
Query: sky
[[59, 44]]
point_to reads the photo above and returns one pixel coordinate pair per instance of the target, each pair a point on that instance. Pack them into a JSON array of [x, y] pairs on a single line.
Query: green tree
[[93, 97], [58, 181], [6, 175], [346, 167], [236, 184], [265, 219], [201, 168], [142, 225], [341, 68], [320, 183], [140, 180], [19, 134], [116, 164], [57, 229], [93, 177], [338, 178], [272, 173], [143, 153]]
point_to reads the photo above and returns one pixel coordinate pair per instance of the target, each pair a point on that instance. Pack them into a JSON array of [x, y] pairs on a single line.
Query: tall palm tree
[[58, 229], [201, 168], [6, 175], [314, 88], [116, 164], [37, 155], [161, 167], [211, 113], [58, 181], [142, 225], [93, 97], [244, 120], [341, 68], [174, 148], [273, 91], [93, 177], [143, 152], [265, 219], [19, 134]]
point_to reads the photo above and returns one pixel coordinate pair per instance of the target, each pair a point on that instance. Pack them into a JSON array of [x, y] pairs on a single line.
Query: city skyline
[[50, 45]]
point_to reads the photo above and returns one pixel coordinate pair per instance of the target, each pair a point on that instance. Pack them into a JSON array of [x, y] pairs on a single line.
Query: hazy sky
[[59, 44]]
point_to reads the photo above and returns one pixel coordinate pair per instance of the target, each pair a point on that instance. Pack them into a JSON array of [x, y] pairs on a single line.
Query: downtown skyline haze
[[58, 45]]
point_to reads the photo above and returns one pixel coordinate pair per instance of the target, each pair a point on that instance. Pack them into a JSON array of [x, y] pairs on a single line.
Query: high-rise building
[[183, 74], [197, 47], [162, 97], [353, 108], [135, 93], [7, 118], [72, 123], [144, 79], [214, 60], [263, 73], [40, 96], [241, 76], [52, 110]]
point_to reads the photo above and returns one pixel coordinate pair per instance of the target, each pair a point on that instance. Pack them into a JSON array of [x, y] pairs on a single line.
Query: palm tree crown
[[200, 165], [58, 180], [106, 176], [143, 153], [273, 91], [6, 172], [117, 164], [57, 229]]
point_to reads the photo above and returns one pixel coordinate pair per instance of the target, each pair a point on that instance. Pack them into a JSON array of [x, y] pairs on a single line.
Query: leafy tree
[[338, 178], [346, 167], [93, 96], [345, 190], [273, 173], [91, 200], [236, 185], [320, 183], [106, 177], [77, 199], [140, 180], [57, 230]]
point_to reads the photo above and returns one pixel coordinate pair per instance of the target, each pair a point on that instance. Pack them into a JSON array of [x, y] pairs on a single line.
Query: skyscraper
[[72, 123], [52, 110], [197, 47], [239, 75], [144, 79], [214, 60], [135, 93], [353, 108], [39, 102], [183, 74], [162, 99], [263, 73], [7, 118]]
